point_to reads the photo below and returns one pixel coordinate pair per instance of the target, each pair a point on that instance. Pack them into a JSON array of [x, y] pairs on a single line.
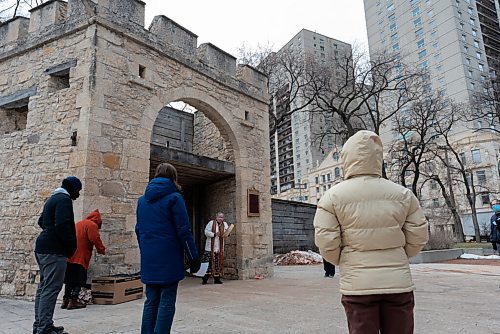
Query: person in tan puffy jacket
[[370, 227]]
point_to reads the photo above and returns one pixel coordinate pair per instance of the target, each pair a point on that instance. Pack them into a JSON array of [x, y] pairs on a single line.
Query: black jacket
[[58, 224]]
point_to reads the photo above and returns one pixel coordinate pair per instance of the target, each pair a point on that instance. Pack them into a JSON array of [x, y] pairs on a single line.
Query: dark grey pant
[[52, 269]]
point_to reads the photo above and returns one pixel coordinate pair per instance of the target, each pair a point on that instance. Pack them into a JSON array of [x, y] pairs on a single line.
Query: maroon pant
[[387, 313]]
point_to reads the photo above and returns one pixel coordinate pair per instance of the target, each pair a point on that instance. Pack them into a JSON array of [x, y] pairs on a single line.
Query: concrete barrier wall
[[292, 226]]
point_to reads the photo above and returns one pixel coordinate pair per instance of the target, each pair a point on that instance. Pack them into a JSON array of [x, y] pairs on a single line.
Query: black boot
[[217, 280], [204, 280]]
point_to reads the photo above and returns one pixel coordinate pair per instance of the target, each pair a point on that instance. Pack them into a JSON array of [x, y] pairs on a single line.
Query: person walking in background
[[371, 226], [87, 236], [164, 234], [214, 248], [495, 225], [329, 269], [55, 244]]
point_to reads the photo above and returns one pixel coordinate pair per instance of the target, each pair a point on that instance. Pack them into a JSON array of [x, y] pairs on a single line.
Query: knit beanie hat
[[73, 182]]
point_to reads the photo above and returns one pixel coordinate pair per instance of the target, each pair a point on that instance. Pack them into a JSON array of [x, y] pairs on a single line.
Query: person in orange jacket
[[87, 236]]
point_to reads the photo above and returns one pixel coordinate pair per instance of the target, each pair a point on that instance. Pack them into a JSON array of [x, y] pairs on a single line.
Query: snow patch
[[479, 257], [298, 257]]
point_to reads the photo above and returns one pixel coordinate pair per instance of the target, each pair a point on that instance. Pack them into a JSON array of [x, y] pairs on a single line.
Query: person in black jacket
[[55, 244]]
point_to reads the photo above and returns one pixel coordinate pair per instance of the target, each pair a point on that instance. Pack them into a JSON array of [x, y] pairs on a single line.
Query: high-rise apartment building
[[458, 42], [293, 149]]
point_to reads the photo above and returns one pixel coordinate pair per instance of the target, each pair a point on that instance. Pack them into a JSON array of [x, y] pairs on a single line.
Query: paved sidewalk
[[451, 298]]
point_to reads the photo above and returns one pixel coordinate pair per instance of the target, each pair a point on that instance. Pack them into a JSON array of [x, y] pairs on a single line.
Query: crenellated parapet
[[172, 33], [57, 18], [14, 29], [47, 15], [214, 57]]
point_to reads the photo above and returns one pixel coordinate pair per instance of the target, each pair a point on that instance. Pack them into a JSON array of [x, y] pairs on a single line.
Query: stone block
[[46, 15], [214, 57], [14, 30], [111, 160], [112, 189], [125, 10], [174, 34]]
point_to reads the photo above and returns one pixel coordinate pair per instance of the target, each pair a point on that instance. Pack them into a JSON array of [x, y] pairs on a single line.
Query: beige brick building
[[81, 86]]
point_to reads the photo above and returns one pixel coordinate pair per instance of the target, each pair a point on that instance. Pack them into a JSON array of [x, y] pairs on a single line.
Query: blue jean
[[159, 308]]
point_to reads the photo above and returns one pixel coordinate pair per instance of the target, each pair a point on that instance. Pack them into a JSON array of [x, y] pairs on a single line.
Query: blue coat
[[163, 232], [495, 231]]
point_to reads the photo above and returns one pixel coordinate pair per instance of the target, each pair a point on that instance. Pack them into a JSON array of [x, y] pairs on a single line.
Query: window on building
[[419, 32], [481, 67], [393, 27], [337, 172], [416, 11], [469, 72], [390, 7], [420, 43], [485, 199], [467, 61], [459, 14], [474, 32], [481, 176], [395, 47], [323, 178], [464, 37], [435, 202], [461, 25], [422, 54], [424, 64], [470, 10], [329, 177], [394, 37], [430, 13], [316, 179], [472, 22], [476, 43], [466, 48], [462, 158], [417, 22], [476, 156], [324, 187]]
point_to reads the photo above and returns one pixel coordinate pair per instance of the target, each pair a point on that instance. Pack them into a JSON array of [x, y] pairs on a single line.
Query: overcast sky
[[227, 24]]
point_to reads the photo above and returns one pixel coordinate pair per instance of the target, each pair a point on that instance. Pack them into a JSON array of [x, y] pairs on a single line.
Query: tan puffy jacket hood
[[368, 225], [362, 154]]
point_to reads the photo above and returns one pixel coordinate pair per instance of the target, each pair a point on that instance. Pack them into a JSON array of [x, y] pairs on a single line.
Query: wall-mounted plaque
[[253, 202]]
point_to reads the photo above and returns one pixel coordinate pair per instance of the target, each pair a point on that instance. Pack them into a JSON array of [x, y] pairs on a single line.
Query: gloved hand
[[194, 265]]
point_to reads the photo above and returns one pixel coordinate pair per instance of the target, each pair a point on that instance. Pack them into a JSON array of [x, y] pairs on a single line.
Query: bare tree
[[365, 94], [413, 153], [462, 174], [485, 108], [290, 74], [12, 8]]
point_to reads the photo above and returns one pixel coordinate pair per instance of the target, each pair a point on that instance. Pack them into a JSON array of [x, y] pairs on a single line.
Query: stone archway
[[188, 142]]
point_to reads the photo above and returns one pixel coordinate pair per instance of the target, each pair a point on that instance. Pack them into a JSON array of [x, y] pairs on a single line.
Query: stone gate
[[82, 84]]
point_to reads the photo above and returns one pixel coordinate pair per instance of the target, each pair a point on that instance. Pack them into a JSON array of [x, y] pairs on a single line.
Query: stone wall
[[292, 226], [36, 159], [208, 140], [123, 76]]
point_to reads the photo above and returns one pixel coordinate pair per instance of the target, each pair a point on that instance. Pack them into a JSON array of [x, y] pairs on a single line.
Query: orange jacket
[[87, 236]]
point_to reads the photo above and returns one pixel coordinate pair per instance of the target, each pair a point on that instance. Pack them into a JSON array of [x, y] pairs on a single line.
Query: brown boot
[[75, 304], [65, 303]]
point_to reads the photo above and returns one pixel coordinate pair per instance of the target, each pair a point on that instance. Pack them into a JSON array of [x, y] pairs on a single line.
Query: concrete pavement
[[450, 298]]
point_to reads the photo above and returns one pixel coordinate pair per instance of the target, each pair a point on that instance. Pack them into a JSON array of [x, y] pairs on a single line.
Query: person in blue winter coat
[[164, 235], [495, 225]]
